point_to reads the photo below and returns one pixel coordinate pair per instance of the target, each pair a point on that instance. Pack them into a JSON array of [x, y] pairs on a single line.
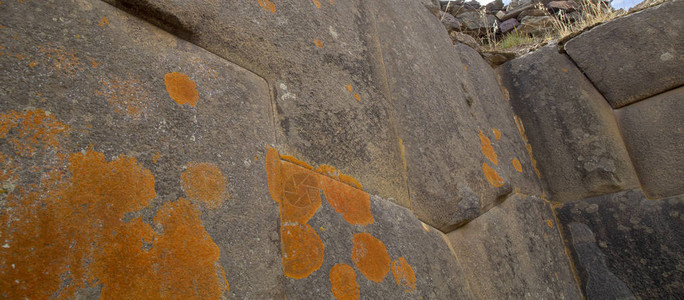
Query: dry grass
[[592, 12]]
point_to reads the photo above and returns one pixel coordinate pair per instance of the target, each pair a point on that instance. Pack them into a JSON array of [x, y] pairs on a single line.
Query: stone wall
[[608, 108], [311, 149]]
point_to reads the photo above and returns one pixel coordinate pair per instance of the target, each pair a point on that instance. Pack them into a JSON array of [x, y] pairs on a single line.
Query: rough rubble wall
[[268, 149], [609, 116]]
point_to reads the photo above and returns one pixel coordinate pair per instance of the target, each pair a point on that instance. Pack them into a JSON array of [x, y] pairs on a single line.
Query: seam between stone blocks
[[388, 100], [269, 85]]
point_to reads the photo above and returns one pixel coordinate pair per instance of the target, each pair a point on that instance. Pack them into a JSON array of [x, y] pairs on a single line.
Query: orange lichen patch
[[188, 257], [517, 165], [33, 130], [300, 195], [350, 181], [497, 133], [181, 89], [33, 64], [126, 96], [521, 129], [63, 59], [296, 161], [303, 250], [404, 275], [267, 5], [318, 43], [71, 229], [534, 161], [204, 183], [349, 87], [491, 175], [103, 22], [94, 63], [487, 148], [273, 168], [343, 282], [156, 157], [329, 171], [317, 3], [352, 203], [548, 222], [565, 70], [332, 2], [370, 256], [357, 96]]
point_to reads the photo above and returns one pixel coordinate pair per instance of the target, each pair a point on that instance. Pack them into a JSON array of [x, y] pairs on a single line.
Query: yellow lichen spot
[[492, 176], [565, 70], [300, 195], [103, 22], [63, 59], [352, 203], [94, 63], [126, 96], [534, 161], [548, 222], [33, 64], [204, 183], [497, 133], [267, 5], [517, 165], [188, 257], [296, 161], [349, 88], [303, 250], [181, 89], [156, 157], [34, 130], [318, 43], [404, 275], [357, 96], [370, 256], [317, 3], [487, 148], [343, 282]]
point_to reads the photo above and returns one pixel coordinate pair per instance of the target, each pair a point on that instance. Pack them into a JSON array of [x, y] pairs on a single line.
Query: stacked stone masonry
[[325, 149]]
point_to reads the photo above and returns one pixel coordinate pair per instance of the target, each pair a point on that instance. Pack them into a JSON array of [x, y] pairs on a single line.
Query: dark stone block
[[633, 57], [625, 245], [653, 130]]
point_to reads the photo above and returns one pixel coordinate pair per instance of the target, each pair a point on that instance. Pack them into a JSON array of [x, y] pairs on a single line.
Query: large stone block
[[653, 131], [132, 162], [323, 65], [458, 131], [625, 246], [515, 251], [563, 115], [634, 57], [339, 241]]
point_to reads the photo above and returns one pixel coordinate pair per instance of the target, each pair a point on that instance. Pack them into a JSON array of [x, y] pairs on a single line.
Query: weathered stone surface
[[515, 251], [532, 12], [337, 238], [450, 22], [475, 21], [444, 116], [323, 65], [464, 39], [580, 151], [508, 25], [634, 57], [653, 130], [535, 26], [626, 246], [565, 6], [107, 124]]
